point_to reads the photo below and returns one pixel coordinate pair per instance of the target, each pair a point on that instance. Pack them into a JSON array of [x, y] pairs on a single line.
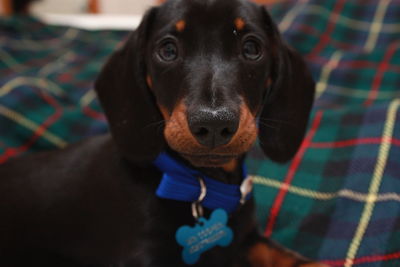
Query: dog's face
[[207, 65], [205, 77]]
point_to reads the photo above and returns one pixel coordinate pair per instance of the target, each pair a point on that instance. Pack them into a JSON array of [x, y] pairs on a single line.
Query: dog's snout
[[213, 127]]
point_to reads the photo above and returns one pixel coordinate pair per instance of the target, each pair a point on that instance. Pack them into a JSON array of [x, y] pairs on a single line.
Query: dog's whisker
[[160, 128], [275, 121], [267, 125], [156, 124]]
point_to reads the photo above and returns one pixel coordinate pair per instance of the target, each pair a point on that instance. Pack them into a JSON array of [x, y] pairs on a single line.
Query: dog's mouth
[[209, 160], [181, 139]]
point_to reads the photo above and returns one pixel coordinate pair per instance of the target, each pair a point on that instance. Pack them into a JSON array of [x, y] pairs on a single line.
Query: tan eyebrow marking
[[239, 24], [180, 25], [149, 81]]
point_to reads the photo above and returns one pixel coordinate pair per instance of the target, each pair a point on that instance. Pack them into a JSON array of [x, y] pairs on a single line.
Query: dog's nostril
[[202, 131], [226, 132]]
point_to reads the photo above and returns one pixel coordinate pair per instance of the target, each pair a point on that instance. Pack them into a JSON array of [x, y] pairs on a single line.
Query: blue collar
[[179, 182]]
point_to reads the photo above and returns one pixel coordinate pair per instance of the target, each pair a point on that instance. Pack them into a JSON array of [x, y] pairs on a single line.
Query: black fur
[[289, 101]]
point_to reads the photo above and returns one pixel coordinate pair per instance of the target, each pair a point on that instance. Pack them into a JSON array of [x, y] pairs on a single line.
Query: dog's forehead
[[208, 13]]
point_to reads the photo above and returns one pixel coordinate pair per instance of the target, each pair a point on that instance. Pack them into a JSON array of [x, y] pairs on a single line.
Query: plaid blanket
[[338, 200]]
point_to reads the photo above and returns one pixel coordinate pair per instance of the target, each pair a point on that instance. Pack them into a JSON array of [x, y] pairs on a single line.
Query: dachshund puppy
[[197, 82]]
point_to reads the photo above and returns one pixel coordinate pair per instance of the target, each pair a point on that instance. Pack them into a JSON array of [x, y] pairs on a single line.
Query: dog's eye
[[168, 51], [251, 50]]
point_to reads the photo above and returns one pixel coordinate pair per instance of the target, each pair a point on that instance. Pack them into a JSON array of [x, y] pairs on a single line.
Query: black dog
[[191, 81]]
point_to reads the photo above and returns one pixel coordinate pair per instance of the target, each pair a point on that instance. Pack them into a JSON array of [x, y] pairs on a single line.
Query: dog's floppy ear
[[136, 123], [284, 118]]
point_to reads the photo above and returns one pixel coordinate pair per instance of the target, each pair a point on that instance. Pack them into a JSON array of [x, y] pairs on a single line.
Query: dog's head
[[205, 77]]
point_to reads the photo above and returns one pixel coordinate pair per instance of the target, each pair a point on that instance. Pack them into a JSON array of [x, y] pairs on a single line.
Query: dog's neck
[[231, 173], [213, 187], [220, 174]]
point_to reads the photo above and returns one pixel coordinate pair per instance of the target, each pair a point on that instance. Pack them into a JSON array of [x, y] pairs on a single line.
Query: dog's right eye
[[168, 51], [251, 50]]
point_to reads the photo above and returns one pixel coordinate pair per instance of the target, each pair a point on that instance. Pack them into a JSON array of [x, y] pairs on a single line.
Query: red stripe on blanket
[[12, 152], [290, 175], [366, 259], [91, 113], [383, 66], [308, 29], [330, 28], [353, 142], [354, 64]]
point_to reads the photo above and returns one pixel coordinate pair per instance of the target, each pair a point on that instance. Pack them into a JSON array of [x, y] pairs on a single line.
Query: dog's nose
[[213, 127]]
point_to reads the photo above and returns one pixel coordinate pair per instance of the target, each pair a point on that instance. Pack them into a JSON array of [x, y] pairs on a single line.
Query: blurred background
[[115, 14], [89, 14], [77, 6], [83, 6], [119, 7]]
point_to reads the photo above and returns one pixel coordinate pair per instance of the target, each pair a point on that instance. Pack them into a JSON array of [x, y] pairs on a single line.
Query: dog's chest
[[146, 237], [156, 245]]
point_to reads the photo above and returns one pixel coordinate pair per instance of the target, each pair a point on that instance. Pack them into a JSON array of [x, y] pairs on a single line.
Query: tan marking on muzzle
[[246, 134], [177, 131], [180, 138]]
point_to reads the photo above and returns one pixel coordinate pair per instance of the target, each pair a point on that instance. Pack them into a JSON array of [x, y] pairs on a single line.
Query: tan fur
[[149, 81], [261, 255], [180, 25], [180, 138], [230, 166], [239, 24]]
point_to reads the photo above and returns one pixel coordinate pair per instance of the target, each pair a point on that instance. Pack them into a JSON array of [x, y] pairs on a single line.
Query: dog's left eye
[[168, 51], [251, 50]]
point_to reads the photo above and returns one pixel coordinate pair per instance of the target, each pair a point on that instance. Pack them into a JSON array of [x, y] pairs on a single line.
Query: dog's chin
[[209, 160]]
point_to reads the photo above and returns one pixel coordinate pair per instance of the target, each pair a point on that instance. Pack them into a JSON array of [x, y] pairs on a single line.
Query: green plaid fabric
[[46, 77], [338, 200]]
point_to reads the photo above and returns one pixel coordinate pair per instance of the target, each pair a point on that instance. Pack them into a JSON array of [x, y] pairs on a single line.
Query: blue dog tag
[[205, 235]]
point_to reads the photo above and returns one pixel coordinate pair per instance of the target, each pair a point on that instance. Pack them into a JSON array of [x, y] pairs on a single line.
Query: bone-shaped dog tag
[[205, 235]]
